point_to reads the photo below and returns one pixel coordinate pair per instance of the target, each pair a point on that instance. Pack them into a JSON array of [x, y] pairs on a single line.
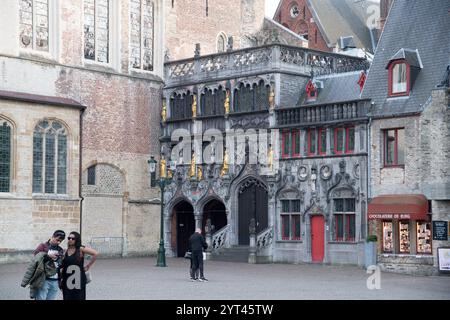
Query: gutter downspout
[[369, 178], [80, 170]]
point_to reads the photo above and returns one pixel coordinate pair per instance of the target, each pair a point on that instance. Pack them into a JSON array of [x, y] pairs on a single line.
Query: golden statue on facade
[[226, 105], [192, 167], [162, 169], [199, 173], [225, 164], [164, 111], [270, 158], [194, 106], [272, 99]]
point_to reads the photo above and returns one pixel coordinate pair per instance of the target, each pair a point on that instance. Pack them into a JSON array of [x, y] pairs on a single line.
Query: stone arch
[[213, 208], [111, 180], [221, 42], [182, 224], [239, 186]]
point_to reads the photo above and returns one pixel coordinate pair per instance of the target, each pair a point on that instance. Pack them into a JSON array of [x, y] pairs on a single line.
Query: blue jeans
[[49, 290]]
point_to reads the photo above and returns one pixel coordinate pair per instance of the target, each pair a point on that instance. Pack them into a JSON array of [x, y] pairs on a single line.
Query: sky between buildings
[[271, 6]]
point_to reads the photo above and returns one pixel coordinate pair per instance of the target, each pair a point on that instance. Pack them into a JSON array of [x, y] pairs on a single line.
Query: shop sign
[[443, 259], [440, 231], [405, 216]]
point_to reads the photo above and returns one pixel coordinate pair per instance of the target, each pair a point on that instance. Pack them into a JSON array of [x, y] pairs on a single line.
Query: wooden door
[[317, 238]]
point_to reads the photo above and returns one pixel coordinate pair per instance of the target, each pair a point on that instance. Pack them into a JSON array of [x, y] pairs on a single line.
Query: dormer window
[[311, 91], [403, 69], [362, 80], [399, 76]]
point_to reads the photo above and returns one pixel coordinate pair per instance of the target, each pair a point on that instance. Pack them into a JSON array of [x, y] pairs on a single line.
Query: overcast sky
[[271, 6]]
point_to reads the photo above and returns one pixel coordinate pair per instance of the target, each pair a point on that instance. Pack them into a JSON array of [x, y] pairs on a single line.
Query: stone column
[[252, 231], [208, 233]]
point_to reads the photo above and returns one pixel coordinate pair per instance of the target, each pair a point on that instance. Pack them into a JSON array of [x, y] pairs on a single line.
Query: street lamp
[[163, 179]]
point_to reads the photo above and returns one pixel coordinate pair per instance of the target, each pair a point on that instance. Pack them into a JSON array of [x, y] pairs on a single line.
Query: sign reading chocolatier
[[440, 231]]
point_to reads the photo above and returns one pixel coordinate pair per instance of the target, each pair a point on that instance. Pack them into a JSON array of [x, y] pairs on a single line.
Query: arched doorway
[[252, 204], [183, 217], [215, 210]]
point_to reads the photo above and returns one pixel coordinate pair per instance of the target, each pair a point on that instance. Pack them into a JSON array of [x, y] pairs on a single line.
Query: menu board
[[444, 259], [440, 231]]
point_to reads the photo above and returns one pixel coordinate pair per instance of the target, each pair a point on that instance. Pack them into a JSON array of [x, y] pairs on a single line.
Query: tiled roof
[[417, 25]]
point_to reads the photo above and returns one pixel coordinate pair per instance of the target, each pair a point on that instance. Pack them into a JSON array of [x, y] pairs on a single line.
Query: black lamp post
[[161, 261]]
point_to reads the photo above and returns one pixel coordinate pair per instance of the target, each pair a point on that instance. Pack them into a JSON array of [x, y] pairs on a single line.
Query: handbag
[[88, 276], [188, 255]]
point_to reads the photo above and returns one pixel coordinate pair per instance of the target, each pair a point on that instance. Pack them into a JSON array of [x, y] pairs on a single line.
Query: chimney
[[385, 5]]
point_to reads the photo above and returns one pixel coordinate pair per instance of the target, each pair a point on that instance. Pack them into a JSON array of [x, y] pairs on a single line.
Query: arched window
[[262, 96], [5, 156], [142, 34], [222, 42], [50, 158]]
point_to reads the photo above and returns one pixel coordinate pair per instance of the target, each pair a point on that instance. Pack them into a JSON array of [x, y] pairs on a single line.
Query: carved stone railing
[[264, 59], [321, 113], [219, 239], [264, 238]]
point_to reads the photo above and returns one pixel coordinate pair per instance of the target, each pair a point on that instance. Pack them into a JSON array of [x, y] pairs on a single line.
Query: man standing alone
[[197, 244]]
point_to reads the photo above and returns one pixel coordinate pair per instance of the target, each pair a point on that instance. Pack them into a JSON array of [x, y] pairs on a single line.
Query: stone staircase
[[232, 254]]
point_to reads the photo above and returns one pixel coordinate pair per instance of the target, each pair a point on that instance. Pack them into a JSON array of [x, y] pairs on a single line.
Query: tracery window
[[34, 24], [181, 106], [142, 34], [96, 30], [5, 156], [50, 158]]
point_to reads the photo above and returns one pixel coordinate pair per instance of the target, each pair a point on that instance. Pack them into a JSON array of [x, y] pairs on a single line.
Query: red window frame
[[347, 227], [336, 227], [294, 227], [320, 132], [390, 78], [347, 139], [336, 151], [285, 135], [283, 235], [395, 164], [311, 153], [311, 91], [296, 138]]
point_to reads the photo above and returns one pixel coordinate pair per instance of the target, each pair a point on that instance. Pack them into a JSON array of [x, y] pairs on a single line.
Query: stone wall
[[188, 23], [26, 219], [120, 124]]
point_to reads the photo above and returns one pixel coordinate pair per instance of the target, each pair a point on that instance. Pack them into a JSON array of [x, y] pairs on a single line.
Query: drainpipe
[[80, 169], [369, 177]]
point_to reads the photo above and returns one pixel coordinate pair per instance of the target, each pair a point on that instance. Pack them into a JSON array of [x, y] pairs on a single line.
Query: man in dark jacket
[[197, 244], [53, 251]]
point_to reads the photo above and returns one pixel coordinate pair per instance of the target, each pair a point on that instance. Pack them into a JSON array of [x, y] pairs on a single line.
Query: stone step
[[233, 254]]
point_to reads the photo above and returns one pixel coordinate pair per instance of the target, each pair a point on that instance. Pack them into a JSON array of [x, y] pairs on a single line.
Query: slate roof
[[338, 87], [417, 25], [343, 18], [412, 56]]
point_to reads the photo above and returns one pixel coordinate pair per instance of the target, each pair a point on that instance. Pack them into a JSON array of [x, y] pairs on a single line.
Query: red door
[[317, 239]]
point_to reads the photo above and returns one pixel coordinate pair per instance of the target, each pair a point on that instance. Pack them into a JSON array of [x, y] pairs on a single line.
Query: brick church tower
[[189, 22]]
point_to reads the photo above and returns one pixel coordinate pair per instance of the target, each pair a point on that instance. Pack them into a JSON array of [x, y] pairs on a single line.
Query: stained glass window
[[49, 158], [141, 35], [34, 24], [96, 30], [5, 156]]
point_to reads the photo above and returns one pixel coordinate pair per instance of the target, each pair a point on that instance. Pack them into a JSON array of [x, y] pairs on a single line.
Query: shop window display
[[387, 237], [404, 236], [423, 237]]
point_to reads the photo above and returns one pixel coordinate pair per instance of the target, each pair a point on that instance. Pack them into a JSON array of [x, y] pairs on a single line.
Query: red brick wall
[[299, 24]]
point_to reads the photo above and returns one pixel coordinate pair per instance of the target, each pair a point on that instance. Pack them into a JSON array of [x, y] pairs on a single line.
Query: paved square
[[140, 279]]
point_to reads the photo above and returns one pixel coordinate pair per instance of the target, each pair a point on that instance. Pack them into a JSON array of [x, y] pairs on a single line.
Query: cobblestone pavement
[[136, 279]]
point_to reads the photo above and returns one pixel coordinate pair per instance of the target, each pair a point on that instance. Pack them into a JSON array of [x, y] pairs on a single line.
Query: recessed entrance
[[215, 210], [185, 225], [252, 204]]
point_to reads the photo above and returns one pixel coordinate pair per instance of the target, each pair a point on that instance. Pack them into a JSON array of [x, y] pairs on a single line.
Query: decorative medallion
[[326, 172], [302, 173]]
